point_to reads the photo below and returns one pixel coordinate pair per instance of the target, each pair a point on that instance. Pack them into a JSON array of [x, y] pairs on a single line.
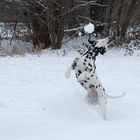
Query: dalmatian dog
[[85, 71]]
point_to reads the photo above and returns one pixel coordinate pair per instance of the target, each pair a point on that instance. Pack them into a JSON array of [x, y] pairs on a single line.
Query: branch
[[56, 3], [83, 2], [84, 5], [14, 33], [39, 3], [138, 2], [71, 37], [87, 18], [74, 29]]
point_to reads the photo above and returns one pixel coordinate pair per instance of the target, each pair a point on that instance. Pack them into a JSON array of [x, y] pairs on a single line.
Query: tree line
[[48, 19]]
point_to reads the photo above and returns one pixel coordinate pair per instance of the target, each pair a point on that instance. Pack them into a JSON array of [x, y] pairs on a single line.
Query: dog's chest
[[83, 65]]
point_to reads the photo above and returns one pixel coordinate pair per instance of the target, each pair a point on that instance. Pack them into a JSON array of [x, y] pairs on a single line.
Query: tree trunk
[[127, 19], [41, 36], [56, 24]]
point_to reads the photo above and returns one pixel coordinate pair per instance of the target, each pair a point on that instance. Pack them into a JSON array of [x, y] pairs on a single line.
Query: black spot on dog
[[76, 75], [90, 53], [88, 78], [85, 60], [82, 83], [103, 89], [91, 86], [85, 68], [85, 81], [96, 86], [89, 64], [90, 70], [79, 72]]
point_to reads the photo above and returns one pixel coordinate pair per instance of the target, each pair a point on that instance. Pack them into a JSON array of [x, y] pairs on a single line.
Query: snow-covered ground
[[38, 103]]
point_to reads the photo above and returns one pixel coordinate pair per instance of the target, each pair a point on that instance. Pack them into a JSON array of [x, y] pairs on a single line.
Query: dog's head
[[95, 48], [98, 47]]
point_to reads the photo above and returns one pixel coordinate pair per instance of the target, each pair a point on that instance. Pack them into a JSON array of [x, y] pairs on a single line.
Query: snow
[[6, 46], [89, 28], [37, 102]]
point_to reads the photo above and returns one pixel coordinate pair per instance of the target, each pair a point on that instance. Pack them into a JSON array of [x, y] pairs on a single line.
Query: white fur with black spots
[[85, 71]]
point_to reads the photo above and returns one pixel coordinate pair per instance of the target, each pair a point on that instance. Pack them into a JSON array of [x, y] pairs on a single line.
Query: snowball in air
[[89, 28]]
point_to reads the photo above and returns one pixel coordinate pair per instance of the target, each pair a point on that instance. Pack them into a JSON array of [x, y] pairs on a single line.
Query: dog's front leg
[[72, 67]]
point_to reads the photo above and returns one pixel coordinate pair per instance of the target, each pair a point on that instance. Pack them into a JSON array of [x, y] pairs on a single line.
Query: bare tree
[[50, 18], [127, 18], [118, 16]]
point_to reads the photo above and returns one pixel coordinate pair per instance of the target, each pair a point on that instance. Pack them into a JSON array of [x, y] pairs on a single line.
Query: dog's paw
[[68, 72]]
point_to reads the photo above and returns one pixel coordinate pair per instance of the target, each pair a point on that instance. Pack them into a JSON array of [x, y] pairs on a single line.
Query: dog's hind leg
[[102, 100]]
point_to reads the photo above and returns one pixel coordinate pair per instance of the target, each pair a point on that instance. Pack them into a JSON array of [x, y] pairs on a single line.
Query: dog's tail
[[113, 97]]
